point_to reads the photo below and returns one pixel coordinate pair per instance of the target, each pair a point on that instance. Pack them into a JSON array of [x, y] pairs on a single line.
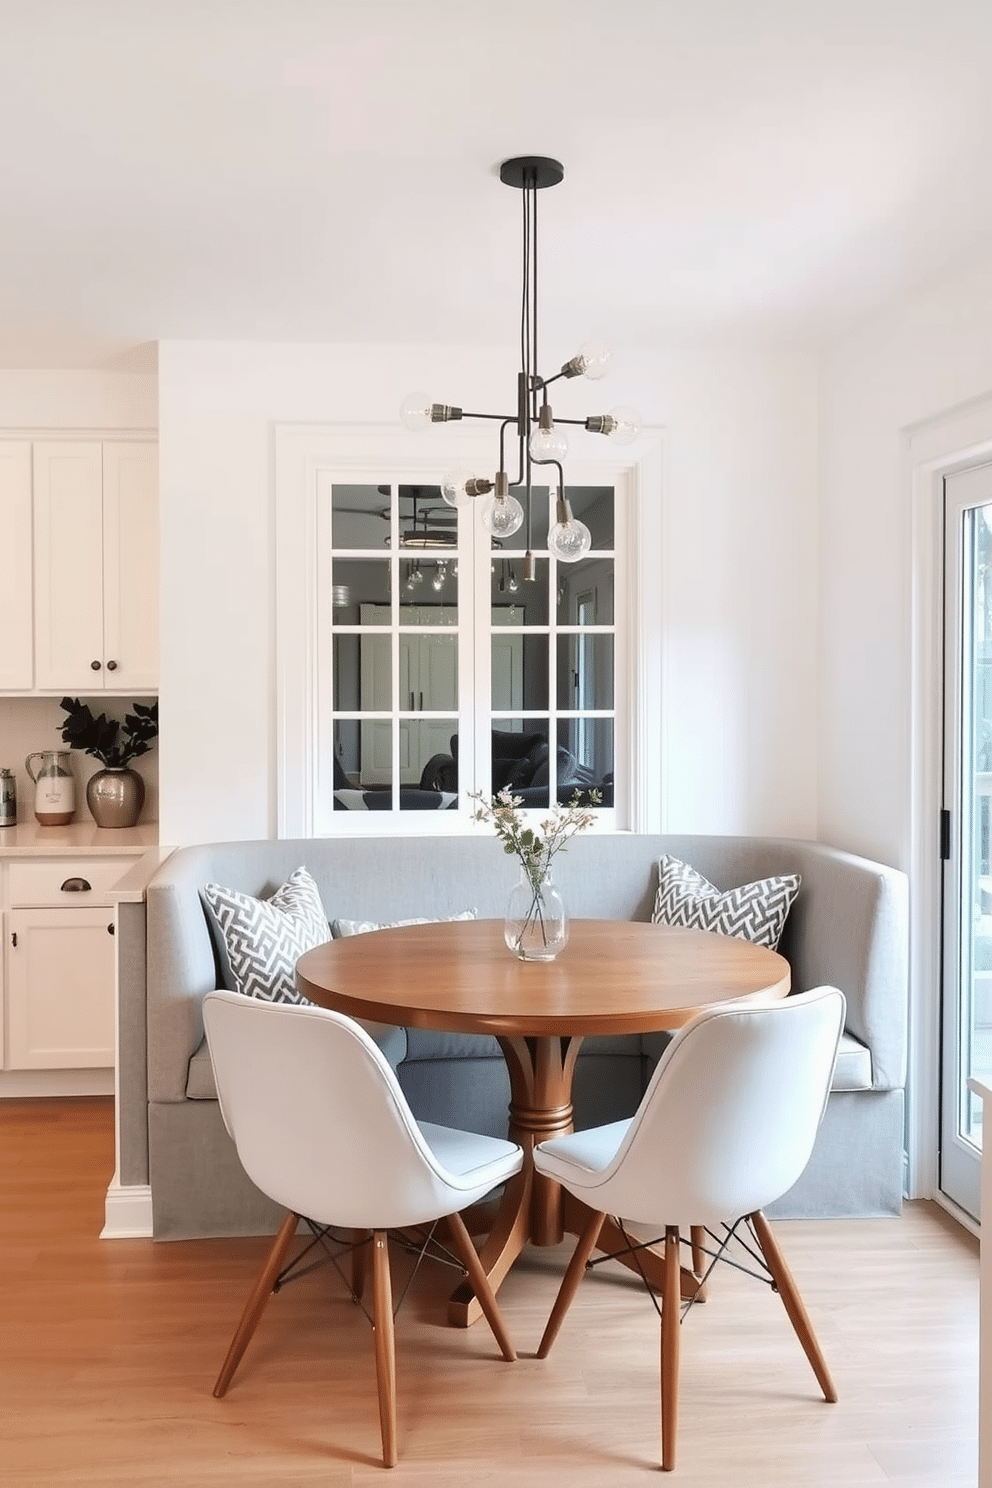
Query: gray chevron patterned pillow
[[261, 940], [755, 911]]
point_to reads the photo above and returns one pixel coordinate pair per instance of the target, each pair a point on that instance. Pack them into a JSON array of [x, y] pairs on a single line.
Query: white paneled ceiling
[[323, 171]]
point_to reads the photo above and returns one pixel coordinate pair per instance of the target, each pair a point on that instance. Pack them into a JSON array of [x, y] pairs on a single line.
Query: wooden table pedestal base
[[534, 1209]]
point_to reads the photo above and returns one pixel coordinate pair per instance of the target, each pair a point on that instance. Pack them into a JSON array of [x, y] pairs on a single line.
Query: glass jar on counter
[[8, 798]]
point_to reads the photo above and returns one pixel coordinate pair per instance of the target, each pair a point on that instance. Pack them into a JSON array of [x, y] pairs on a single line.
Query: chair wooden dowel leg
[[359, 1262], [255, 1306], [480, 1284], [671, 1304], [570, 1281], [385, 1347], [793, 1303], [697, 1235]]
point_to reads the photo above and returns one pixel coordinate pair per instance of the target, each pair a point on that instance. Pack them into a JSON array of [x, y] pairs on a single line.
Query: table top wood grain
[[614, 976]]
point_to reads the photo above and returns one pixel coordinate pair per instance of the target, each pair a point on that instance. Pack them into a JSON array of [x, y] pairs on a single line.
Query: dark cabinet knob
[[110, 929], [111, 666], [76, 886], [94, 666]]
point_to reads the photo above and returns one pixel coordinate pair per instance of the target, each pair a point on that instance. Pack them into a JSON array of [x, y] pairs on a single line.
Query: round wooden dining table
[[614, 976]]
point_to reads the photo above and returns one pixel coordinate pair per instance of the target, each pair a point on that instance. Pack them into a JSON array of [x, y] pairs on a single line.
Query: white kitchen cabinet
[[16, 587], [60, 994], [60, 957], [96, 566]]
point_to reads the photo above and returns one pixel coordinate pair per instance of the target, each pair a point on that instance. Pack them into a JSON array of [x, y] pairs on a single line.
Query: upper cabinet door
[[68, 565], [130, 566], [96, 566], [16, 589]]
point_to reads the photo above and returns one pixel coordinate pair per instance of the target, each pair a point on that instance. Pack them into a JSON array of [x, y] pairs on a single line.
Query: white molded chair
[[322, 1126], [726, 1126]]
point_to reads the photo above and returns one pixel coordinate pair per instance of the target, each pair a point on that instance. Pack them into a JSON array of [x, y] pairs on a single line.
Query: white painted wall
[[77, 400], [736, 660], [929, 354]]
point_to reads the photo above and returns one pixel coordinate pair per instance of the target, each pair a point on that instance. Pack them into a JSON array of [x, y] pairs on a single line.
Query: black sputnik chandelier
[[541, 439]]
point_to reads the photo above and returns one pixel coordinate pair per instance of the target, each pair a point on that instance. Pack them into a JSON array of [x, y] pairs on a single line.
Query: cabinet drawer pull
[[76, 886], [94, 666]]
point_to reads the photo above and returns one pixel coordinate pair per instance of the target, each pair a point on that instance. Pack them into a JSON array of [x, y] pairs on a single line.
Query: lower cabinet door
[[60, 989]]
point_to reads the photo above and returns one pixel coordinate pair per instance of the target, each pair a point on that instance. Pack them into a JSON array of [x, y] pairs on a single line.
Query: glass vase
[[536, 926]]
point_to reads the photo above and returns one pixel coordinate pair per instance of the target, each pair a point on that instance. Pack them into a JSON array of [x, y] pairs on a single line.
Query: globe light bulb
[[627, 425], [454, 487], [440, 574], [592, 361], [569, 540], [548, 444], [416, 410], [502, 516]]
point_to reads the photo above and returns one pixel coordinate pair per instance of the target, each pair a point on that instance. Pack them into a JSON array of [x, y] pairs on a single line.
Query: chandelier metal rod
[[538, 443], [511, 485]]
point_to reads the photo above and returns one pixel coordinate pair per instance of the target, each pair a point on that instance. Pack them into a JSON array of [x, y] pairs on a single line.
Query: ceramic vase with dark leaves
[[115, 797]]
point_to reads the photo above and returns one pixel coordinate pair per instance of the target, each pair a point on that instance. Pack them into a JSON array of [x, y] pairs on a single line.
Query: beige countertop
[[130, 887], [29, 840]]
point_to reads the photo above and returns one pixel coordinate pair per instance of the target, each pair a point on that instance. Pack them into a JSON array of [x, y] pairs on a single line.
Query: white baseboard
[[127, 1212], [55, 1082]]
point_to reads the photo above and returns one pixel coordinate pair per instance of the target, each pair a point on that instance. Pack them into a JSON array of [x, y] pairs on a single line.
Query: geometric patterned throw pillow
[[755, 911], [264, 938]]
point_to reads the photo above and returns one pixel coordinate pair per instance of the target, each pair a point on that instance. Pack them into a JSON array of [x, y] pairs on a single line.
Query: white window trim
[[354, 451]]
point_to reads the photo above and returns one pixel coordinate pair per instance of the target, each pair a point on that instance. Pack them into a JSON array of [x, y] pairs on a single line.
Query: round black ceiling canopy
[[531, 170]]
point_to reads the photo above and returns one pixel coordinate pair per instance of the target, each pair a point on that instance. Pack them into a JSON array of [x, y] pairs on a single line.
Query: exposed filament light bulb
[[547, 442], [419, 409], [459, 486], [592, 360], [569, 539], [502, 516], [622, 425]]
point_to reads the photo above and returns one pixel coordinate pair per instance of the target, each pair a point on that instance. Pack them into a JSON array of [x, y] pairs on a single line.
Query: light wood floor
[[110, 1348]]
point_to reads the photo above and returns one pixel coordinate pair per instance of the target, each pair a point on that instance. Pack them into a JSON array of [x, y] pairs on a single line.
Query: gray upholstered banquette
[[848, 928]]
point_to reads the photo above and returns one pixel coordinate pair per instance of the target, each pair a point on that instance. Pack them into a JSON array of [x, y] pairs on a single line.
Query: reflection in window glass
[[427, 524], [428, 672], [585, 671], [519, 671], [358, 582], [585, 758], [347, 754], [585, 592], [429, 591], [430, 782], [593, 505], [347, 673], [375, 673], [360, 517], [520, 759], [525, 604]]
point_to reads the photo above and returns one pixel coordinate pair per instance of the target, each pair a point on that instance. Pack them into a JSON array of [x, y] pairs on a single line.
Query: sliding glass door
[[966, 991]]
